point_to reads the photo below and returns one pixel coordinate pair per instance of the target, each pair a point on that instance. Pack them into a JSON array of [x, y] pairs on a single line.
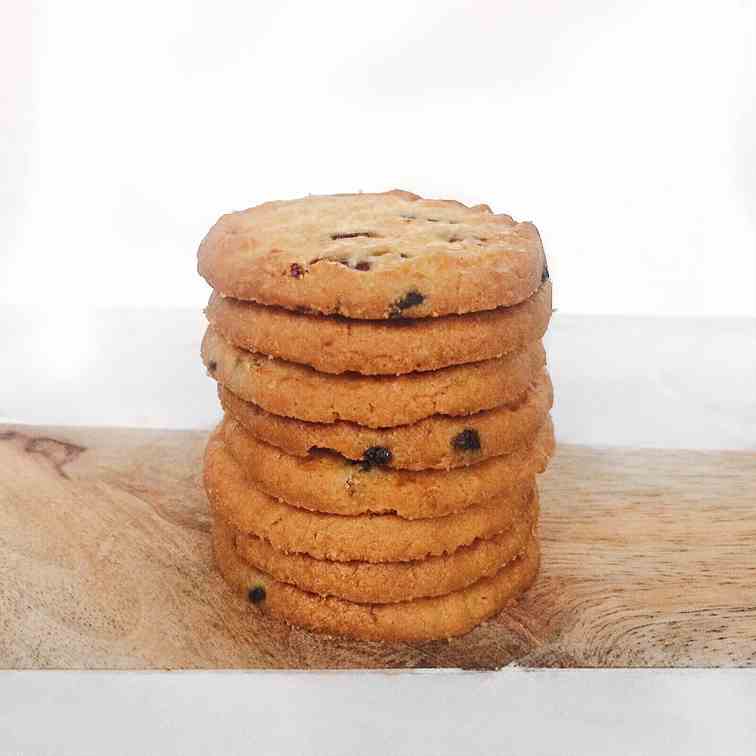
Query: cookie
[[337, 345], [291, 390], [386, 583], [438, 442], [373, 256], [326, 482], [417, 620], [365, 538]]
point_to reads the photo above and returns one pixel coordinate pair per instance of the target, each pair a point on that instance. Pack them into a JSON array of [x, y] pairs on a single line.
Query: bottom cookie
[[420, 620]]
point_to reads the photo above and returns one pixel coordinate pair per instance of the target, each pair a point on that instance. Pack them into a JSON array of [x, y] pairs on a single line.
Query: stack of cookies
[[386, 410]]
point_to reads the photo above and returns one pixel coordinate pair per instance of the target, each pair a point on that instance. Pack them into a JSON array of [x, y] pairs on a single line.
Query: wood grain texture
[[649, 559]]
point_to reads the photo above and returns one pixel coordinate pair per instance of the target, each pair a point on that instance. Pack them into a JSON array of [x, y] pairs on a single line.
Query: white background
[[624, 130]]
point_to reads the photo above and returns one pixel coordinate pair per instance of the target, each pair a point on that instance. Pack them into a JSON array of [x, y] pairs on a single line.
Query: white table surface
[[618, 381]]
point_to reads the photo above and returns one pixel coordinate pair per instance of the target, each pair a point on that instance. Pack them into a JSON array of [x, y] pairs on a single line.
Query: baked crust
[[291, 390], [365, 538], [418, 620], [438, 442], [381, 347], [327, 482]]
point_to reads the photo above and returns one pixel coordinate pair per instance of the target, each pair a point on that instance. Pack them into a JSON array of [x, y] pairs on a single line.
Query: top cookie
[[374, 256]]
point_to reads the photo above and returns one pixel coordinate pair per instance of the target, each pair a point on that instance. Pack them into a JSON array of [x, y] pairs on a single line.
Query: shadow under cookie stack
[[386, 411]]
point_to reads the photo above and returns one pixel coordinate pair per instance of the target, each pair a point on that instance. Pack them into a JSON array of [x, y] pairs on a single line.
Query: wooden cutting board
[[649, 560]]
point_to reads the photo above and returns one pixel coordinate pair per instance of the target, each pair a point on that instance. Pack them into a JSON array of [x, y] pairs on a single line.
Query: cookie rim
[[422, 619], [497, 431], [374, 401], [369, 538], [351, 491], [338, 345], [392, 582]]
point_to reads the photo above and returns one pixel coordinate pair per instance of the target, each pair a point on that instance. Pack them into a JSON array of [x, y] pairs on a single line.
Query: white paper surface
[[514, 711]]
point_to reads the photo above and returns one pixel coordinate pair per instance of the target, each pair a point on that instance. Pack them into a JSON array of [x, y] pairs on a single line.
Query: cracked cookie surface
[[373, 256], [437, 442]]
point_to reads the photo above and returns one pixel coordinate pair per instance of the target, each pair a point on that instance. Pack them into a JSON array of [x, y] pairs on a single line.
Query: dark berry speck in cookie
[[256, 594], [376, 456], [467, 440]]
